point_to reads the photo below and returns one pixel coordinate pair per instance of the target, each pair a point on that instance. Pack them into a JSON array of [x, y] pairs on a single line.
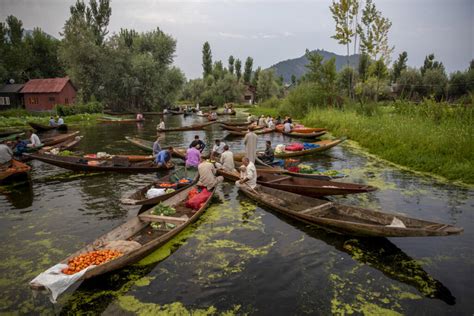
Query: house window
[[2, 102], [6, 100], [52, 99], [33, 100]]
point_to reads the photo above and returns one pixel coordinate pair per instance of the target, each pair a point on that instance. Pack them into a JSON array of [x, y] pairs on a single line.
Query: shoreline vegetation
[[429, 137]]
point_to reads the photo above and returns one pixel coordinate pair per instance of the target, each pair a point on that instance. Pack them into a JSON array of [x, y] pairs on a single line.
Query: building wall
[[47, 101], [10, 100]]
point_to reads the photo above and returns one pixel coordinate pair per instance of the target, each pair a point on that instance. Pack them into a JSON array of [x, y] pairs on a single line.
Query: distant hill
[[297, 67]]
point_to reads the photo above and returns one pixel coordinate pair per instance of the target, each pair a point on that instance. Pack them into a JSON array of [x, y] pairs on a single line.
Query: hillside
[[297, 67]]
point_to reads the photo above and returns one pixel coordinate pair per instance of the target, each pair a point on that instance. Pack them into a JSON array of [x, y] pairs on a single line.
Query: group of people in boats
[[221, 157], [53, 122], [271, 122], [10, 149]]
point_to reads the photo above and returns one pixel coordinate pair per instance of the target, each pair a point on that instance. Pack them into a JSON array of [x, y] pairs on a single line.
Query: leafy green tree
[[293, 80], [266, 85], [399, 66], [322, 73], [206, 60], [44, 59], [431, 63], [15, 30], [344, 13], [238, 69], [256, 75], [248, 70], [409, 83], [218, 70], [364, 64], [435, 82], [458, 84], [344, 79], [231, 64], [378, 70]]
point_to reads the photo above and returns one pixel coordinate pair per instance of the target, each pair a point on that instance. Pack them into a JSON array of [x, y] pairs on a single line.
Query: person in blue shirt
[[164, 158], [52, 122], [20, 146], [199, 142]]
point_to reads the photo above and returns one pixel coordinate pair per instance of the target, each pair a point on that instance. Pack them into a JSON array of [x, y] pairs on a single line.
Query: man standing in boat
[[249, 174], [250, 142]]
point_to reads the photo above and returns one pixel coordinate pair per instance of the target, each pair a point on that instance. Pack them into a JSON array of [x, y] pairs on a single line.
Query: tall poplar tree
[[248, 70], [231, 64], [206, 60], [238, 69]]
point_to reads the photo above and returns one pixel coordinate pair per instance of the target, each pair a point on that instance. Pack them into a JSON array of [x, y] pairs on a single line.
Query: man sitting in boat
[[249, 118], [161, 125], [157, 146], [164, 157], [268, 155], [34, 140], [227, 160], [52, 122], [217, 149], [261, 121], [139, 117], [60, 121], [207, 175], [270, 123], [193, 156], [198, 141], [20, 146], [6, 156], [249, 174], [287, 127]]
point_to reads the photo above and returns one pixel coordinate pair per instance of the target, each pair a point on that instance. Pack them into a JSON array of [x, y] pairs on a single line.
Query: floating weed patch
[[145, 281], [133, 305]]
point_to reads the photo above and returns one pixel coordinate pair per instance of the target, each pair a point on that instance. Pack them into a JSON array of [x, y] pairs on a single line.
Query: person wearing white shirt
[[217, 149], [34, 140], [270, 123], [287, 127], [249, 177], [60, 121], [161, 125], [227, 160]]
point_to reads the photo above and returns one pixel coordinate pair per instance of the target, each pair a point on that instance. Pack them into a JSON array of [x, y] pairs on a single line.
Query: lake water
[[238, 258]]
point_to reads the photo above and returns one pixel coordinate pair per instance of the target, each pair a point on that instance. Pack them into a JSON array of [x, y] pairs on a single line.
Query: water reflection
[[19, 195]]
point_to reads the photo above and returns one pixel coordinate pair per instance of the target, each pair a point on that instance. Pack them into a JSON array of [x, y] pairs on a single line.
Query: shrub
[[91, 107]]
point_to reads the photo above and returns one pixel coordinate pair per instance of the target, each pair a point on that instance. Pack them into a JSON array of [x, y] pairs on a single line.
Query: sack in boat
[[154, 193], [294, 147], [293, 169], [193, 192], [396, 223], [124, 246], [196, 201], [280, 148], [310, 146], [102, 154]]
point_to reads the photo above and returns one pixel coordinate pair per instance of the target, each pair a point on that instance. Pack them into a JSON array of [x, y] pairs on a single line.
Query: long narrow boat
[[148, 146], [258, 132], [235, 123], [42, 128], [347, 219], [137, 236], [107, 120], [84, 165], [118, 113], [65, 145], [50, 141], [11, 137], [15, 171], [173, 112], [5, 133], [153, 113], [140, 198], [241, 129], [131, 158], [312, 135], [194, 127], [279, 128], [223, 113], [322, 146], [307, 187]]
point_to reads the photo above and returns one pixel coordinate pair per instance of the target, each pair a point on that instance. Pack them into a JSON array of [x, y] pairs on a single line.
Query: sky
[[271, 30]]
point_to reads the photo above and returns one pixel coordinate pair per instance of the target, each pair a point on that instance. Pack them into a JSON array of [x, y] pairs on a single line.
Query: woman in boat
[[248, 175], [193, 156], [268, 155], [164, 157], [207, 175]]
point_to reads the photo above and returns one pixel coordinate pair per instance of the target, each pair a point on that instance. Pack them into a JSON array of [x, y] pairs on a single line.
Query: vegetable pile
[[84, 260], [157, 225], [163, 210], [166, 185]]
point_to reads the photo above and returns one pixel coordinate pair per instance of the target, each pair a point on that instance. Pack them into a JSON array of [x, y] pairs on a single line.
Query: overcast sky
[[271, 31]]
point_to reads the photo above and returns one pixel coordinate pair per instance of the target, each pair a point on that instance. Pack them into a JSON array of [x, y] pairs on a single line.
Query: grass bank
[[429, 137], [21, 121]]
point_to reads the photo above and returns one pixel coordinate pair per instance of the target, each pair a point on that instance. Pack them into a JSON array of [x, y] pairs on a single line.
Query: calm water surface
[[238, 258]]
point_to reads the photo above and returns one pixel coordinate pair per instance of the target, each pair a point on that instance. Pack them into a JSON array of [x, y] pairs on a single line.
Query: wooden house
[[10, 96], [45, 94]]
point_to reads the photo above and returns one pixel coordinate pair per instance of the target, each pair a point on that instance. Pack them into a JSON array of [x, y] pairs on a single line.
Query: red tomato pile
[[84, 260]]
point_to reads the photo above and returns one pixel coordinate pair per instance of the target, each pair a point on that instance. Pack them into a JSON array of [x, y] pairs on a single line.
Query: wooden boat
[[118, 113], [11, 137], [139, 236], [153, 113], [65, 145], [115, 165], [139, 197], [204, 114], [131, 158], [173, 112], [188, 113], [15, 171], [148, 146], [186, 128], [307, 187], [180, 152], [265, 130], [346, 219], [231, 113], [304, 135], [236, 123], [42, 128], [210, 119], [303, 130], [6, 133], [323, 145], [241, 129], [108, 120], [50, 141]]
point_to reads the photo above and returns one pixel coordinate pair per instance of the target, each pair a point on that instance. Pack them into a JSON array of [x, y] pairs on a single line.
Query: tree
[[409, 83], [344, 78], [293, 80], [363, 69], [15, 30], [435, 82], [248, 70], [379, 71], [266, 85], [238, 69], [431, 63], [231, 64], [44, 59], [458, 84], [218, 70], [373, 33], [96, 16], [256, 75], [206, 60], [15, 55], [399, 66]]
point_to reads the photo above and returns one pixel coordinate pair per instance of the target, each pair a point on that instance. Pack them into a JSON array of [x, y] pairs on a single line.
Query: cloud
[[232, 35]]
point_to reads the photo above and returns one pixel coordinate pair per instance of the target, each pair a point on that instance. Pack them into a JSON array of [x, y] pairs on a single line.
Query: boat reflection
[[19, 194]]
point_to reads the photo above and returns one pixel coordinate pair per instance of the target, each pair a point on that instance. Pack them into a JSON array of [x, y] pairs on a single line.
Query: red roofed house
[[44, 94]]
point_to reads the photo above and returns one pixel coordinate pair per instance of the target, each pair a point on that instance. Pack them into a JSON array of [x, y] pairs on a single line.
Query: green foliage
[[213, 91], [435, 83], [238, 69], [363, 69], [409, 83], [206, 60], [345, 79], [256, 75], [431, 63], [248, 70], [267, 86], [345, 14], [231, 64], [399, 66], [91, 107], [218, 70]]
